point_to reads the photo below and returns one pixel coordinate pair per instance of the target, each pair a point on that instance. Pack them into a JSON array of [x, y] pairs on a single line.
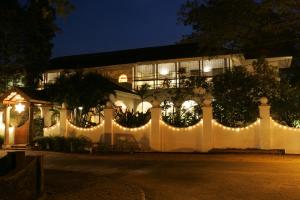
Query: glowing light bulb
[[19, 107]]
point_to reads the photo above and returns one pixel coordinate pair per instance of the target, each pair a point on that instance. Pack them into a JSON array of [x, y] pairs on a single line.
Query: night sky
[[107, 25]]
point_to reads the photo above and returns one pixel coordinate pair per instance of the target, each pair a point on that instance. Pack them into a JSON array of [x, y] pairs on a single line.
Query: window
[[144, 72], [189, 68], [144, 107], [121, 105], [123, 78], [213, 67]]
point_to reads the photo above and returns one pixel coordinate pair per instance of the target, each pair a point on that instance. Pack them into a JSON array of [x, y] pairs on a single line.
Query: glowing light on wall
[[236, 129], [121, 104], [19, 107], [84, 129], [144, 106], [123, 78], [181, 129], [132, 129]]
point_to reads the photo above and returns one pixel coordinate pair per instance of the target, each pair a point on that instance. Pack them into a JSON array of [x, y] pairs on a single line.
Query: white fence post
[[155, 135], [207, 135], [265, 140], [108, 123], [63, 120]]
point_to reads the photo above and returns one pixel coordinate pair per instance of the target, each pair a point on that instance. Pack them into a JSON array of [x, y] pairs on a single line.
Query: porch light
[[20, 107], [80, 108]]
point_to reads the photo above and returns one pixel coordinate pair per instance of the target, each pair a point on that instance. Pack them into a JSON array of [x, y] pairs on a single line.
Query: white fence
[[207, 134]]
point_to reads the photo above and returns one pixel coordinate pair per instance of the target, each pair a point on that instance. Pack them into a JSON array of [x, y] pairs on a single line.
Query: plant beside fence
[[62, 144]]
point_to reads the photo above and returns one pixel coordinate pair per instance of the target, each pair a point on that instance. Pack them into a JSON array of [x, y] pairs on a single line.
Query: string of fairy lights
[[52, 127], [181, 128], [85, 129], [170, 127], [236, 129], [285, 127], [132, 129]]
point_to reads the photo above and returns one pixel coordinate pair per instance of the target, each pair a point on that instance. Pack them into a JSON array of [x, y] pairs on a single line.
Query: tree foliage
[[90, 91], [237, 93], [250, 26], [26, 32]]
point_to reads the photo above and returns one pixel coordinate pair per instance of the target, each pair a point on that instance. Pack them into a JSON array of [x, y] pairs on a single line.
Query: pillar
[[108, 124], [31, 124], [207, 134], [265, 139], [47, 113], [6, 123], [156, 140], [63, 114]]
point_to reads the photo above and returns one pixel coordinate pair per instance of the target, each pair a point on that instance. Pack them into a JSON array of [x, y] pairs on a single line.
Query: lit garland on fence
[[236, 129], [181, 129], [132, 129], [84, 129], [285, 127], [51, 127]]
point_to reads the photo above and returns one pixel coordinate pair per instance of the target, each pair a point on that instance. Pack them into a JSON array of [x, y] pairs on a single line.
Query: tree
[[255, 27], [78, 91], [237, 93], [26, 32], [143, 93]]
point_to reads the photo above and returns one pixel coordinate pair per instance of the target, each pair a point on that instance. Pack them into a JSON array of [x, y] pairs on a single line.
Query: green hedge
[[62, 144]]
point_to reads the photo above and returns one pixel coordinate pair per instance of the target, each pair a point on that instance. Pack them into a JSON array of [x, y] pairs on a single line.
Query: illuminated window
[[123, 78], [121, 105], [144, 107]]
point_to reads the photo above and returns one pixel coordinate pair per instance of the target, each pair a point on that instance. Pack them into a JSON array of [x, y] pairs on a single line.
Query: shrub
[[62, 144], [132, 119]]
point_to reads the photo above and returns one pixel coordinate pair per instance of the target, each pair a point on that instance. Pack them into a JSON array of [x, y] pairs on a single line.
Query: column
[[6, 122], [108, 124], [265, 140], [156, 140], [207, 134], [31, 124], [47, 113], [63, 114]]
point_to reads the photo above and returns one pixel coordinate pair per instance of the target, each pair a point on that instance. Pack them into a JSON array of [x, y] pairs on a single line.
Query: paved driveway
[[173, 176]]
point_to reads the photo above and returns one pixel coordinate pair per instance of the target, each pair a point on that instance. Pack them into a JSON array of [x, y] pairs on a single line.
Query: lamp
[[20, 107]]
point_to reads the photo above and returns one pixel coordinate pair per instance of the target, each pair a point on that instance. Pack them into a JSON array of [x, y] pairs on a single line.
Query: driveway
[[172, 176]]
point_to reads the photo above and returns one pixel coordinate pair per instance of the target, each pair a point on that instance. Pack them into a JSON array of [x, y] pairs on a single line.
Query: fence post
[[108, 124], [265, 140], [207, 135], [63, 120], [155, 135]]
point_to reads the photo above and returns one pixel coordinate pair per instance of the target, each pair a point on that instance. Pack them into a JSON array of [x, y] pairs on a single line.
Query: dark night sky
[[106, 25]]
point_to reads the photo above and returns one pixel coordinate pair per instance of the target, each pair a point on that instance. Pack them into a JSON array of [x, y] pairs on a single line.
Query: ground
[[178, 176], [172, 176]]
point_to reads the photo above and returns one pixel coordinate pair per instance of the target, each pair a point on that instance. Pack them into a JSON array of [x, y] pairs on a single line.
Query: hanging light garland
[[285, 127], [181, 129], [85, 129], [52, 127], [236, 129], [132, 129]]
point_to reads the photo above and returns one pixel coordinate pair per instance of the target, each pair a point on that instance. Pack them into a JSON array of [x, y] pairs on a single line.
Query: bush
[[62, 144], [132, 119]]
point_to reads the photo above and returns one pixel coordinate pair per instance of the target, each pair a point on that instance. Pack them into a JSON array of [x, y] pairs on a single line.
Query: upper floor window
[[123, 78]]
